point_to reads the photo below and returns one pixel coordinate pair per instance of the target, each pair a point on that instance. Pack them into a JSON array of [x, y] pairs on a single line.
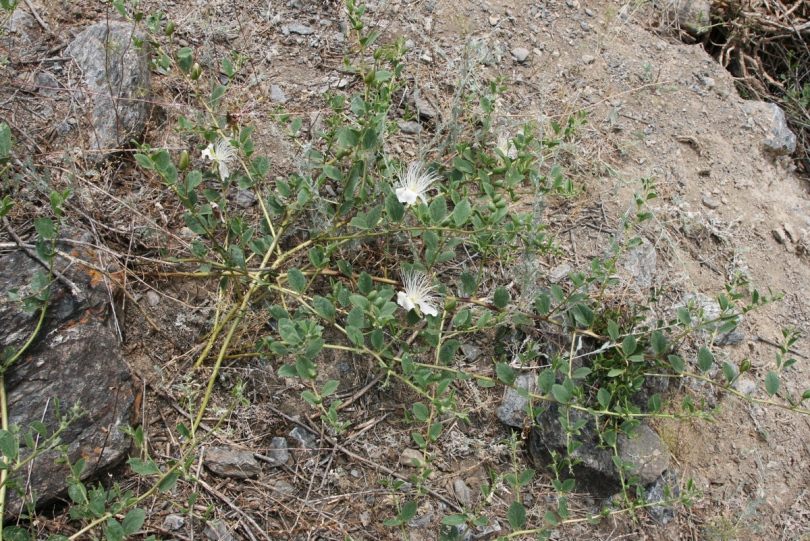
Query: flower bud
[[745, 366], [369, 77], [195, 72], [450, 304], [169, 30], [183, 162]]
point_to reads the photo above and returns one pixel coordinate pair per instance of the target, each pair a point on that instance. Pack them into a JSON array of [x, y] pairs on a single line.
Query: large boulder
[[76, 357], [117, 82], [597, 473]]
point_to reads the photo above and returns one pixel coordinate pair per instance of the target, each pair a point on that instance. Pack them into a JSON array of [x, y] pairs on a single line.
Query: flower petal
[[427, 308], [407, 196], [405, 301]]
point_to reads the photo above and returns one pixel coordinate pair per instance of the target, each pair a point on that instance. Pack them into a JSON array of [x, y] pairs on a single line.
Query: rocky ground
[[656, 107]]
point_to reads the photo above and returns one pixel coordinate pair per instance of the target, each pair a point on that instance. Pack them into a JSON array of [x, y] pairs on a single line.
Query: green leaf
[[729, 372], [501, 297], [5, 130], [771, 382], [377, 339], [561, 394], [434, 431], [468, 283], [583, 314], [613, 330], [408, 511], [658, 342], [330, 387], [133, 521], [144, 161], [581, 372], [355, 335], [654, 403], [463, 165], [359, 222], [437, 210], [296, 279], [332, 172], [684, 318], [614, 372], [143, 468], [167, 483], [364, 283], [603, 397], [45, 227], [310, 397], [557, 293], [454, 520], [324, 307], [551, 518], [356, 318], [113, 530], [505, 373], [805, 395], [676, 363], [705, 359], [287, 371], [421, 412], [516, 515], [629, 344], [462, 212], [15, 533], [394, 209]]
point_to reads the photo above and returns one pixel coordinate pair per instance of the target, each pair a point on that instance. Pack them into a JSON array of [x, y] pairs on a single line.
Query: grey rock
[[596, 473], [283, 488], [227, 461], [118, 81], [424, 107], [512, 411], [245, 199], [588, 59], [173, 522], [792, 234], [300, 29], [664, 488], [691, 15], [76, 357], [640, 263], [779, 236], [408, 457], [559, 272], [152, 298], [217, 530], [278, 452], [305, 438], [277, 95], [520, 54], [463, 492], [710, 203], [47, 85], [410, 127], [782, 141], [470, 352], [585, 26]]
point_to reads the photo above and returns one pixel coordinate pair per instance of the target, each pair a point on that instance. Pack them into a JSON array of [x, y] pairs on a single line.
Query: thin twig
[[34, 12], [229, 503]]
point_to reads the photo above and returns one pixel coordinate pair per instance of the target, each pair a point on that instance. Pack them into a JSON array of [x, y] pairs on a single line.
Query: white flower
[[414, 183], [221, 153], [507, 146], [418, 293]]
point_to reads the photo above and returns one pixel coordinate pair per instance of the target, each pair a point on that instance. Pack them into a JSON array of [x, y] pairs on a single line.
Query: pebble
[[301, 29], [283, 488], [589, 13], [277, 95], [463, 492], [710, 203], [152, 298], [791, 232], [217, 530], [493, 20], [470, 352], [173, 522], [588, 59], [585, 26], [409, 455], [306, 438], [779, 236], [410, 127], [521, 54], [278, 451]]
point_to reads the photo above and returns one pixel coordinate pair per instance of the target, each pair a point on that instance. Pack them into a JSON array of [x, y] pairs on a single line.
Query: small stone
[[512, 411], [408, 456], [779, 236], [410, 127], [283, 488], [665, 487], [585, 26], [471, 352], [520, 54], [424, 107], [301, 29], [278, 452], [463, 492], [710, 203], [708, 82], [589, 13], [277, 95], [217, 530], [588, 59], [559, 272], [355, 474], [47, 83], [227, 461], [306, 438], [493, 20], [152, 298], [245, 199], [791, 232], [173, 522]]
